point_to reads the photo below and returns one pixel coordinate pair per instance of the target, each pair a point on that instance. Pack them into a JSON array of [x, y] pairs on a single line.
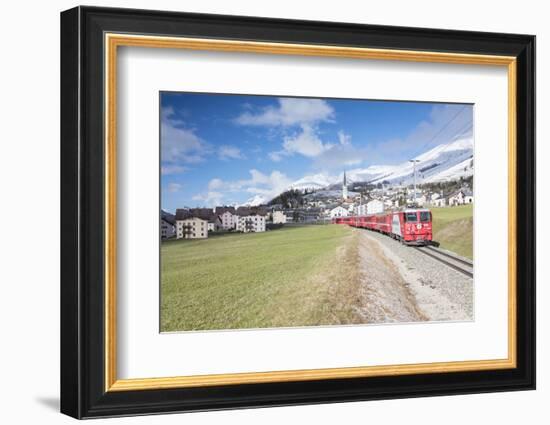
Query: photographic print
[[280, 212], [305, 195]]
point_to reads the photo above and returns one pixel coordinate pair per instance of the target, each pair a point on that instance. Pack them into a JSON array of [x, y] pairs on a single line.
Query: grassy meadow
[[295, 276], [453, 229]]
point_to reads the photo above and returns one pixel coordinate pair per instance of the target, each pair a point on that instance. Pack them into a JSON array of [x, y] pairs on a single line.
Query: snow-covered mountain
[[255, 201], [315, 181], [444, 162]]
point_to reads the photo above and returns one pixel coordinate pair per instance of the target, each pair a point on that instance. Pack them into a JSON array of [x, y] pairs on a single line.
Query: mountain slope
[[315, 181], [444, 162]]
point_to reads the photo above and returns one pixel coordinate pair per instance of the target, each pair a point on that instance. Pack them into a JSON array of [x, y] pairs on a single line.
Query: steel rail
[[450, 255], [447, 263]]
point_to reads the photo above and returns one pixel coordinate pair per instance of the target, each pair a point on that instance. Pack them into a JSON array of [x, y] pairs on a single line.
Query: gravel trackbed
[[400, 284]]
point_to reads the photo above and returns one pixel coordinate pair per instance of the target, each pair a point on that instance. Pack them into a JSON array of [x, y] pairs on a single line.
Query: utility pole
[[414, 161]]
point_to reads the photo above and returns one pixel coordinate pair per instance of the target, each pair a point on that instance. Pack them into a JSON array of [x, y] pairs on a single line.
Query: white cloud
[[343, 138], [306, 143], [276, 156], [179, 143], [289, 111], [226, 152], [210, 199], [266, 185], [173, 187], [305, 113], [215, 184], [341, 156], [172, 169]]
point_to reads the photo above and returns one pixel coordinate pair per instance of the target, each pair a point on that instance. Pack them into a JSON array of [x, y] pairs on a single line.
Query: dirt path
[[396, 291], [386, 296]]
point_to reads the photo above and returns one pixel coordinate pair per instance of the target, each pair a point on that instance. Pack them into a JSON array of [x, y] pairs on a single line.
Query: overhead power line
[[441, 130]]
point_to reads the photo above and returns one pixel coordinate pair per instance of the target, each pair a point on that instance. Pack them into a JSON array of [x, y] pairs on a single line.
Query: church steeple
[[345, 188]]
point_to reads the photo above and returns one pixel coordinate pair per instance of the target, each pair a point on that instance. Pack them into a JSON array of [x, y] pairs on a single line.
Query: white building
[[338, 212], [361, 210], [191, 228], [278, 217], [251, 223], [439, 202], [214, 223], [167, 228], [461, 197], [456, 199], [228, 220], [420, 200], [375, 206]]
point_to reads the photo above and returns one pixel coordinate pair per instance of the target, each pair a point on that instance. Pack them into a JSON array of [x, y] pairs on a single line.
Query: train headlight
[[419, 226]]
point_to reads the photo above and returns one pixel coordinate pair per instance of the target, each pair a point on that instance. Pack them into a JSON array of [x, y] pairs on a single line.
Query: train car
[[384, 223], [379, 222], [361, 221], [410, 226], [343, 220]]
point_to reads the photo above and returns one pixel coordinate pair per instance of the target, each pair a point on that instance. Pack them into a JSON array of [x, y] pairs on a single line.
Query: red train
[[411, 226]]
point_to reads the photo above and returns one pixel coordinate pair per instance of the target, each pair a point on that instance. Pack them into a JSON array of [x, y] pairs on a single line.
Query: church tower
[[345, 188]]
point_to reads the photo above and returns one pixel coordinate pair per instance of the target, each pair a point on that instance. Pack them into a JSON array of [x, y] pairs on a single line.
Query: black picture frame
[[83, 392]]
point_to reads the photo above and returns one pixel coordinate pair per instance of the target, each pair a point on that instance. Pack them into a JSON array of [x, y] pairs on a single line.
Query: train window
[[410, 216], [424, 216]]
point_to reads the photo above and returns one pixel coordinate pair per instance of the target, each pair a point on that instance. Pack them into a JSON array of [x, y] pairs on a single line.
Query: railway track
[[461, 265]]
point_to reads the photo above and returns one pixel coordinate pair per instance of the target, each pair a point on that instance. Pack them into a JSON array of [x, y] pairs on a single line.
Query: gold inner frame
[[113, 41]]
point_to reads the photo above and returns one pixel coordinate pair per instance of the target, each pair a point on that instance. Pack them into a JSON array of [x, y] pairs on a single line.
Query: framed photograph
[[261, 212]]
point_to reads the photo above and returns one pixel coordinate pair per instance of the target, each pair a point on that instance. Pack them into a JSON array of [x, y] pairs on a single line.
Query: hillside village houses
[[167, 226], [315, 207], [339, 212], [360, 209], [438, 202], [194, 223], [227, 216], [229, 220], [420, 200], [305, 214], [251, 223], [192, 228], [278, 217], [463, 196], [375, 206]]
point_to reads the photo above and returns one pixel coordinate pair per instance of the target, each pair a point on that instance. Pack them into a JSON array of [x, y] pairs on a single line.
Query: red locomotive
[[410, 226]]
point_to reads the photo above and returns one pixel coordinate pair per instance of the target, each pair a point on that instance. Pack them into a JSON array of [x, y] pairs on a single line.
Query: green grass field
[[295, 276], [453, 229]]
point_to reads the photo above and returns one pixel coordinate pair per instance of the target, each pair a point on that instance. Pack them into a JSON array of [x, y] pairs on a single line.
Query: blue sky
[[219, 149]]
